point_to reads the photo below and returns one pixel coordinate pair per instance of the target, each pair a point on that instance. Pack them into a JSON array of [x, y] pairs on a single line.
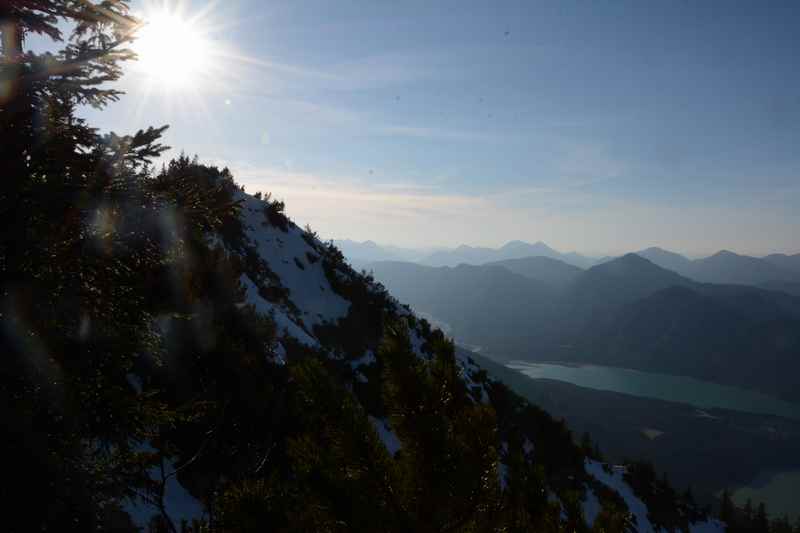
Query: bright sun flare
[[173, 51]]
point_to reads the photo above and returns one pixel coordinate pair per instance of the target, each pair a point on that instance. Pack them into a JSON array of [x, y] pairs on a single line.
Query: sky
[[599, 127]]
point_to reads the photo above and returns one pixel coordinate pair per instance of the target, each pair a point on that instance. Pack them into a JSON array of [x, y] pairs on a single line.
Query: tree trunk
[[11, 31], [12, 36]]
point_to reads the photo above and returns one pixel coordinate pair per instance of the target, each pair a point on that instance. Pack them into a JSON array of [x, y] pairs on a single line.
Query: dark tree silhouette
[[72, 321]]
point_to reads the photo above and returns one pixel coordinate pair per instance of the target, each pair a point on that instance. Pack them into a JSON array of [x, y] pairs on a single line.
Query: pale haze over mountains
[[722, 267], [626, 312], [367, 251]]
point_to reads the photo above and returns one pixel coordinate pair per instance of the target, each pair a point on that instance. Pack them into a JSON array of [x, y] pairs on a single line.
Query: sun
[[173, 51], [187, 62]]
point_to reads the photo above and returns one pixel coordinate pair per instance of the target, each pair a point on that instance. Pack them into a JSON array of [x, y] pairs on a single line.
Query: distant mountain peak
[[658, 249], [633, 258], [725, 253], [511, 245], [625, 279], [630, 264], [522, 248]]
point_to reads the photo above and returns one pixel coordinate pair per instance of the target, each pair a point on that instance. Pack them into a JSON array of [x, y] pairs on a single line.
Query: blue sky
[[600, 127]]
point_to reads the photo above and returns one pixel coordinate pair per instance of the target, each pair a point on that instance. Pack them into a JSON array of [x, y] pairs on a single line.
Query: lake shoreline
[[704, 395]]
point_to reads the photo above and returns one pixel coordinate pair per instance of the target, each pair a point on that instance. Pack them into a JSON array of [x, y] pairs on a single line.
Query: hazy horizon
[[590, 254], [421, 124]]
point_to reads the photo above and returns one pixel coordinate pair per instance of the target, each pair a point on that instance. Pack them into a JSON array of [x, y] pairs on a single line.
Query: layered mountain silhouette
[[728, 267], [367, 251], [552, 271], [788, 263], [666, 259], [487, 301], [511, 250], [623, 280], [789, 287], [775, 271], [628, 311]]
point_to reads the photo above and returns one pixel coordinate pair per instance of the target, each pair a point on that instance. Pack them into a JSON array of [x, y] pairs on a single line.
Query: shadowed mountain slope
[[511, 250], [547, 270]]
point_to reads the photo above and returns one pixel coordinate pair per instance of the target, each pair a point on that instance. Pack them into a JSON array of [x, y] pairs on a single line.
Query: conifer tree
[[748, 511], [586, 443], [726, 507], [688, 495], [761, 521], [610, 520], [73, 264], [449, 460]]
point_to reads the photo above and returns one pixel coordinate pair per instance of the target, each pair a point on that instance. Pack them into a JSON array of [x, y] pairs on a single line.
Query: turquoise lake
[[702, 394]]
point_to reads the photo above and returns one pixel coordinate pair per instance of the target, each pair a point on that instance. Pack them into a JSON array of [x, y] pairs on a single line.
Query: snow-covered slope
[[614, 481], [612, 477], [296, 265], [294, 256]]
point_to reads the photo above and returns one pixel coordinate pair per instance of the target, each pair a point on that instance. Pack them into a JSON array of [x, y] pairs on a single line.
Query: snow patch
[[283, 322], [135, 382], [367, 359], [466, 368], [309, 288], [528, 448], [502, 475], [178, 503], [615, 482], [416, 343], [279, 354], [591, 507], [386, 435]]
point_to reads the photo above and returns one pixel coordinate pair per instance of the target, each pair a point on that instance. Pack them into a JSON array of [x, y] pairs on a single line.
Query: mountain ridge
[[556, 320], [541, 268], [723, 266], [727, 267], [516, 249]]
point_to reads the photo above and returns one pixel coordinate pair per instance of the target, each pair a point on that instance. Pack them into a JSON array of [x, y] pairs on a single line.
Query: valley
[[730, 448]]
